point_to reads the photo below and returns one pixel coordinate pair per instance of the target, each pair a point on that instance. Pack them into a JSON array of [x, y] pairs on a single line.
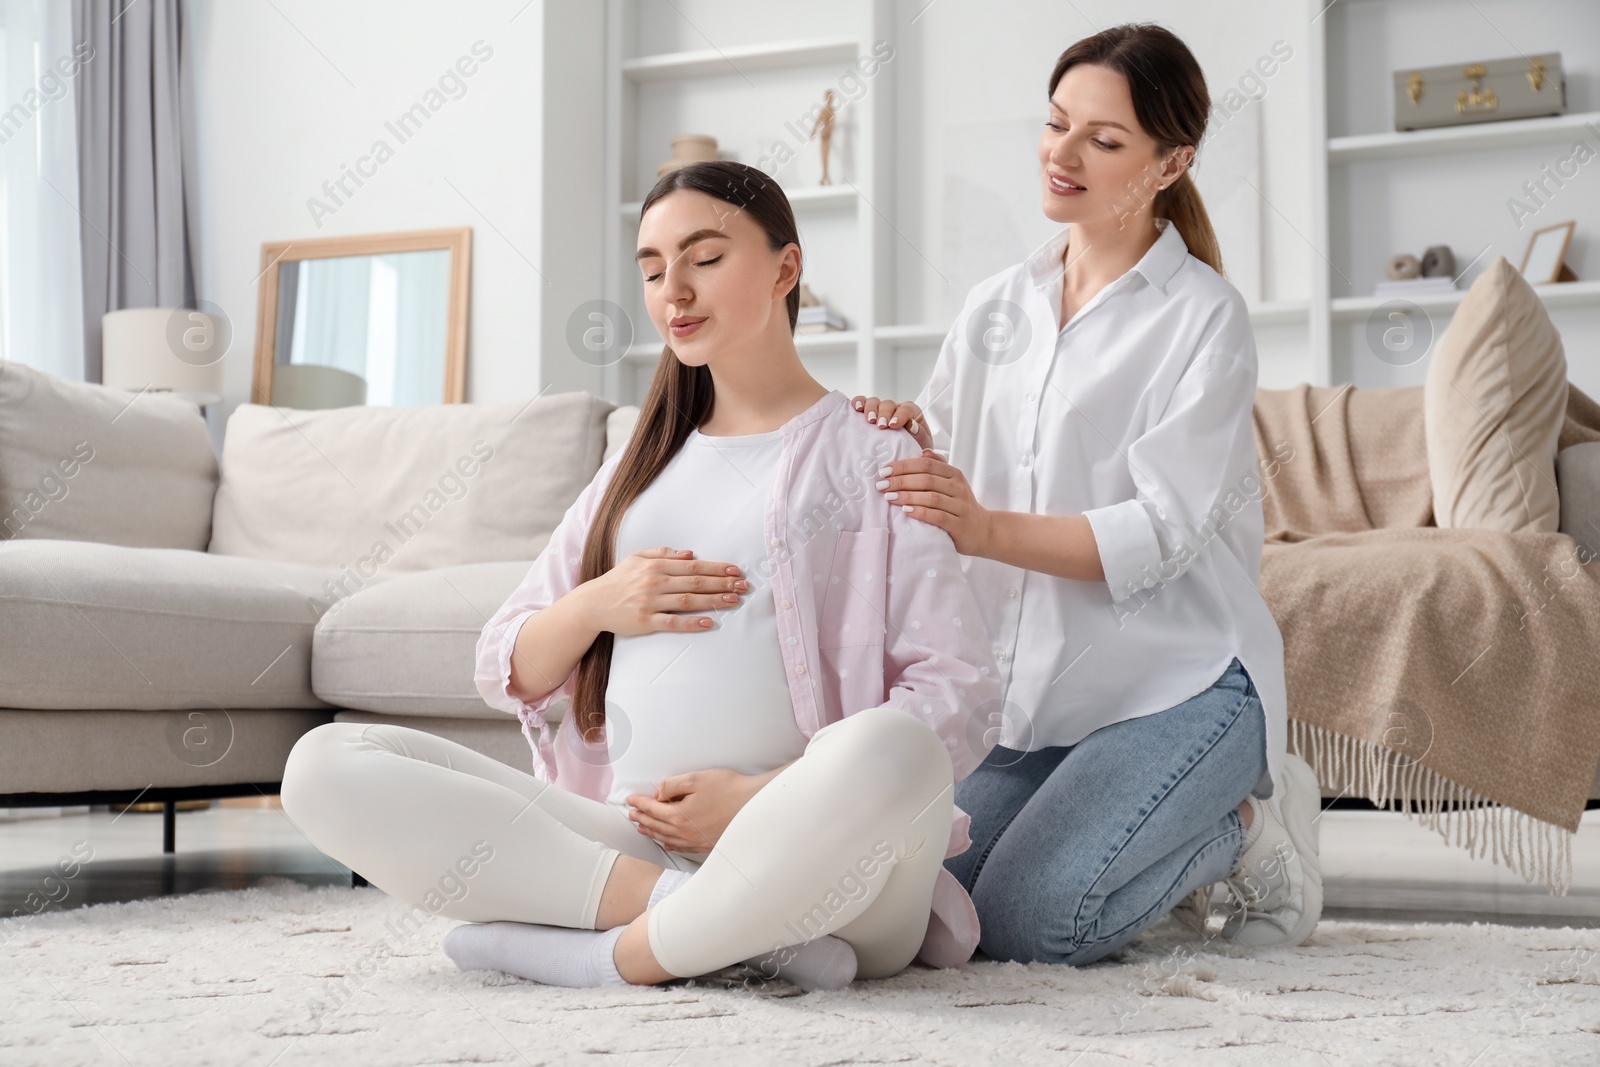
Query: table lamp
[[162, 350]]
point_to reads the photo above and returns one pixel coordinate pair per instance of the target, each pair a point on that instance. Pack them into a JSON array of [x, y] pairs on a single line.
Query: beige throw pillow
[[84, 462], [378, 490], [1493, 405]]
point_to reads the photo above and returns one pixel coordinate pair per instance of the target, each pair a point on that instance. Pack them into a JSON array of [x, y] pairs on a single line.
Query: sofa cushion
[[499, 738], [77, 751], [95, 626], [366, 489], [408, 645], [1494, 402], [619, 427], [1578, 478], [82, 462]]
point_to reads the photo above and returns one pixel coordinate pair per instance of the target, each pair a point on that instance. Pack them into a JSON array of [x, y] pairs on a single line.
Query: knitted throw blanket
[[1449, 674]]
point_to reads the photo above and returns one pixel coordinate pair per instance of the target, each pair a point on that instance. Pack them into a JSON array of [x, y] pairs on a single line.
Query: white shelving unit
[[859, 359], [1438, 186]]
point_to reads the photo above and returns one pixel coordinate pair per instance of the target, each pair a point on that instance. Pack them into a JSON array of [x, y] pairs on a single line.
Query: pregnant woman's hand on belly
[[690, 811], [647, 590]]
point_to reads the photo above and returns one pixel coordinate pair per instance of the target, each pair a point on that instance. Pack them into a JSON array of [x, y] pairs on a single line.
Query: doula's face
[[1096, 163], [711, 283]]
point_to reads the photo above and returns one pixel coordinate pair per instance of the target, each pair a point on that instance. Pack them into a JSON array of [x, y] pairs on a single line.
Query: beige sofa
[[172, 625]]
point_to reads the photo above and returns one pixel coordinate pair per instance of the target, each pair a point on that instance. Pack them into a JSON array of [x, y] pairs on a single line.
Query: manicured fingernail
[[894, 420], [858, 405], [883, 484], [905, 507], [891, 496], [883, 471]]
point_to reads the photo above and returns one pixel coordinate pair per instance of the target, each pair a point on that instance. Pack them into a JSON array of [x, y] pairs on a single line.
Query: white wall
[[285, 95], [974, 98]]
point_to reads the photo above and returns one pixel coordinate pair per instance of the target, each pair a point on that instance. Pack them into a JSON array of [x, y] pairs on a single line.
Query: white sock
[[552, 955], [669, 881], [555, 955], [821, 963]]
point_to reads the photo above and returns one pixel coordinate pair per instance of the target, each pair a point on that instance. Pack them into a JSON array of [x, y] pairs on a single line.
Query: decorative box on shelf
[[1520, 87]]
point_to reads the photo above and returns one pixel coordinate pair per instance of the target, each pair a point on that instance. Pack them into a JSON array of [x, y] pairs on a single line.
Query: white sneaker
[[1194, 911], [1275, 894], [1281, 865]]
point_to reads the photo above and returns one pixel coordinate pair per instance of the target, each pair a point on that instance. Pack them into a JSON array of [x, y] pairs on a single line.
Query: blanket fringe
[[1537, 850]]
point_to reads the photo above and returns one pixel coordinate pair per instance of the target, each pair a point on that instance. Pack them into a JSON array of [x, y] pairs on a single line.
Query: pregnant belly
[[659, 730]]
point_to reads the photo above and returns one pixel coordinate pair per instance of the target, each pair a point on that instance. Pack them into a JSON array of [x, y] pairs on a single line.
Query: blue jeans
[[1078, 849]]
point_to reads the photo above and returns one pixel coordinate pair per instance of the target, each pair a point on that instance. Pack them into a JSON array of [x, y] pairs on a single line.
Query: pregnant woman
[[1101, 478], [773, 677]]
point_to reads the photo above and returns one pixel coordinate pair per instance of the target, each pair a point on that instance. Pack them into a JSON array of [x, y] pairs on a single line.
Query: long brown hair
[[679, 399], [1171, 102]]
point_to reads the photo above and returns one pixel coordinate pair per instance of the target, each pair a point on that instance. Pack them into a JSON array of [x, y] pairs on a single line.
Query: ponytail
[[1180, 202]]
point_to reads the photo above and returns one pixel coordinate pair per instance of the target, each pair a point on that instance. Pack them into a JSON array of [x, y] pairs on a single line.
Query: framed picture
[[1545, 259]]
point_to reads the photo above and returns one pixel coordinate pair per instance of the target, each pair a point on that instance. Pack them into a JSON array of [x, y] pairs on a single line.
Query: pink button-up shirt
[[872, 609]]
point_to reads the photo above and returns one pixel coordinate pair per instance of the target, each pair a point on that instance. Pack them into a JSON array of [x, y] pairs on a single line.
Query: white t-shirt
[[679, 702]]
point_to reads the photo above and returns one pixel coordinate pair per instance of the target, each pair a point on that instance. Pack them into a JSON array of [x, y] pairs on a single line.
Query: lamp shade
[[162, 350]]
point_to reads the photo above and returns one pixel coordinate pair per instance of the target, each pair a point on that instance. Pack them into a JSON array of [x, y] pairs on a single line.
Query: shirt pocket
[[855, 598]]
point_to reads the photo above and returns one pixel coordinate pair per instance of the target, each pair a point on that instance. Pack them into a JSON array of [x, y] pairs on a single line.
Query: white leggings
[[848, 840]]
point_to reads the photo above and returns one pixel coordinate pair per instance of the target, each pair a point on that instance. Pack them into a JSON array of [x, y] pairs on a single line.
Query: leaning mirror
[[379, 320]]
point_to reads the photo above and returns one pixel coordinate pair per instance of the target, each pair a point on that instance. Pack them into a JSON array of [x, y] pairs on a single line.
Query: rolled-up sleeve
[[937, 399], [553, 574], [1180, 466]]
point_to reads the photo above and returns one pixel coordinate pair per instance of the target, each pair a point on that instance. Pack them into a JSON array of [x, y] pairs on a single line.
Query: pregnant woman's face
[[1096, 163], [711, 283]]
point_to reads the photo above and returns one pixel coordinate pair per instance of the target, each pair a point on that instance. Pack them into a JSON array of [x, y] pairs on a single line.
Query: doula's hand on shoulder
[[655, 589], [892, 415]]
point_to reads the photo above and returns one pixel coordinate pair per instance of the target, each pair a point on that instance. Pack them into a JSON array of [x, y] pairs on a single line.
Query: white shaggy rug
[[282, 974]]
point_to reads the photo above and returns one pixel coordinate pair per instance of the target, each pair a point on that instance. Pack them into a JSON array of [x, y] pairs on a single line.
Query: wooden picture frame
[[456, 240], [1560, 272]]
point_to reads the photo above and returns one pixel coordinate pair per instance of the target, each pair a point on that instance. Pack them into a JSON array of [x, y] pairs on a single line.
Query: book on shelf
[[818, 318]]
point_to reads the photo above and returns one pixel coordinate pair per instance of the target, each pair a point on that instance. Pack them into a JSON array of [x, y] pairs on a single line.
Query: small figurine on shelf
[[1433, 273], [824, 124]]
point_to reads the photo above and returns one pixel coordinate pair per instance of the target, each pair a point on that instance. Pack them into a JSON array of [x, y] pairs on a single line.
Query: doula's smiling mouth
[[1062, 187]]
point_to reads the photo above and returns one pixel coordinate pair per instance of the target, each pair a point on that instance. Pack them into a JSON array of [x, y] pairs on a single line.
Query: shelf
[[1506, 134], [812, 196], [672, 66], [812, 343], [1554, 295], [1279, 313], [910, 335]]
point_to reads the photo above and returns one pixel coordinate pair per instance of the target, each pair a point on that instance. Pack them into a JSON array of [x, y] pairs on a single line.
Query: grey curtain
[[130, 163]]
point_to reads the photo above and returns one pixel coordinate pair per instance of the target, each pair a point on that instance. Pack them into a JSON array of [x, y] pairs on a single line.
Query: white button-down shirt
[[1137, 414]]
